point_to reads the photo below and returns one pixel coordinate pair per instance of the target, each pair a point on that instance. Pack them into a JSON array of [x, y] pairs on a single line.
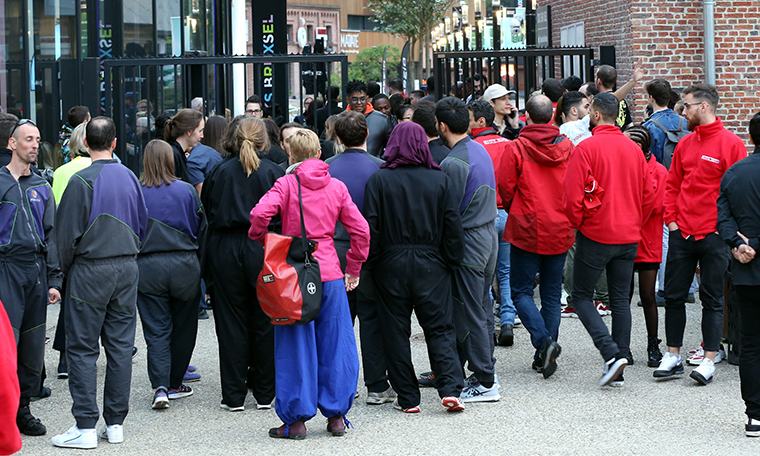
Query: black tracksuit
[[170, 279], [232, 264], [416, 242], [739, 210], [28, 267], [100, 223], [180, 162]]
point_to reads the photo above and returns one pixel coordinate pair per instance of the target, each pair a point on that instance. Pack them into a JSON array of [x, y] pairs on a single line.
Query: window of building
[[329, 34], [356, 22], [310, 33], [291, 38], [574, 35]]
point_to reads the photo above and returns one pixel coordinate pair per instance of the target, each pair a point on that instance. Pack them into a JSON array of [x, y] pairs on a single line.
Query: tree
[[412, 19], [368, 65]]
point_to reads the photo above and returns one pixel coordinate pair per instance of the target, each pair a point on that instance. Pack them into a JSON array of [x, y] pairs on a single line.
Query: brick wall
[[667, 35]]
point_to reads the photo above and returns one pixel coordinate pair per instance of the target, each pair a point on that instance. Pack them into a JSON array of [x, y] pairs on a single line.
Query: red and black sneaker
[[426, 379], [452, 404]]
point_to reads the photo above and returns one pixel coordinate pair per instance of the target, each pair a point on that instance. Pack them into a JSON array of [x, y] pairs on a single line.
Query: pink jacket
[[325, 201]]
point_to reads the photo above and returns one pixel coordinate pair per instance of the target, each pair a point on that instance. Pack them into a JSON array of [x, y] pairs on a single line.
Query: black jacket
[[739, 210], [439, 150], [228, 195], [323, 114], [412, 207], [380, 127], [180, 162]]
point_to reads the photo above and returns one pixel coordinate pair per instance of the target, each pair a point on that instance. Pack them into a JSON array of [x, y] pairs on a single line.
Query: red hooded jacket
[[10, 438], [693, 185], [650, 246], [495, 145], [530, 185], [620, 170]]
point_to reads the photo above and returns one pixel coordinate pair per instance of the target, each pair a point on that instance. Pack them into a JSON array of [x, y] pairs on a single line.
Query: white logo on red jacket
[[495, 141], [710, 159]]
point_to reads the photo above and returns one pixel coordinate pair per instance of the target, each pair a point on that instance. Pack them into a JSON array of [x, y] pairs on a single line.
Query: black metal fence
[[138, 91], [521, 70]]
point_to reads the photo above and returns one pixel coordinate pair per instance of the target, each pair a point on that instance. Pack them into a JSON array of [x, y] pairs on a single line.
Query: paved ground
[[566, 414]]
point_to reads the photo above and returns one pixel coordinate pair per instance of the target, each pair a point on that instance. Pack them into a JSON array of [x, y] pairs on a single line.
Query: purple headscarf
[[408, 145]]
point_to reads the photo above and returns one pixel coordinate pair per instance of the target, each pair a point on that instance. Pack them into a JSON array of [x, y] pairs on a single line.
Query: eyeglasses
[[253, 111], [689, 105], [359, 100], [20, 123]]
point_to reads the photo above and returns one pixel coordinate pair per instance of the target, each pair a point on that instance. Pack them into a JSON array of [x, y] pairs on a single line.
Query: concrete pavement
[[566, 414]]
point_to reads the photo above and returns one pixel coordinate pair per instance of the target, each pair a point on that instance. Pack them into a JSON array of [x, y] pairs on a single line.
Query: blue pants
[[543, 325], [316, 364], [507, 312]]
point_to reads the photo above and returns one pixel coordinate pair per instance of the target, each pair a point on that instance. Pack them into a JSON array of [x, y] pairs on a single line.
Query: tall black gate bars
[[521, 70], [136, 91]]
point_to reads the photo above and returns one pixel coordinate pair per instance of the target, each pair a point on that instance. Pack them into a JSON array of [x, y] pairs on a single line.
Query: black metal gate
[[138, 90], [521, 70]]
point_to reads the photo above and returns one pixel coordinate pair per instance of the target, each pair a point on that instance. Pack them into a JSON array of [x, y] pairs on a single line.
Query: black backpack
[[671, 139]]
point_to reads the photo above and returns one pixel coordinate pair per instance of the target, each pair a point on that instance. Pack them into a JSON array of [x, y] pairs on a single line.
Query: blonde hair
[[304, 144], [245, 137], [332, 135], [76, 141]]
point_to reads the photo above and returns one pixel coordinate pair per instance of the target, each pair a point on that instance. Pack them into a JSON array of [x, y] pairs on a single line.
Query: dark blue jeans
[[591, 258], [544, 324]]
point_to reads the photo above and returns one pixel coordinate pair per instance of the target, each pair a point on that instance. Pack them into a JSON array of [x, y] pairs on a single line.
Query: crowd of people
[[455, 210]]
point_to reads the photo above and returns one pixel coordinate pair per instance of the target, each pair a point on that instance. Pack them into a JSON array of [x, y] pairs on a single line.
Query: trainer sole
[[700, 378], [670, 373], [452, 405], [614, 376], [481, 399], [550, 363]]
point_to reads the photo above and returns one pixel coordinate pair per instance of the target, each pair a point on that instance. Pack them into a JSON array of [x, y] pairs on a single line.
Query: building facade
[[668, 35]]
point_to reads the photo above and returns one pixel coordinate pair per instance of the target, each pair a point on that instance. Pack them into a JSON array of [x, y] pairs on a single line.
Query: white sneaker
[[613, 369], [518, 322], [602, 309], [703, 374], [114, 433], [479, 393], [669, 365], [699, 355], [232, 409], [84, 439]]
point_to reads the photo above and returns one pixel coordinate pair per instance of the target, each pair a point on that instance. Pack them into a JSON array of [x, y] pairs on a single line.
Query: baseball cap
[[496, 91]]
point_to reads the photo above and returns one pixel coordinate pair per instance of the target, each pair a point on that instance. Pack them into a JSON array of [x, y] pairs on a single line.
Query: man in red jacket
[[691, 213], [608, 193], [530, 185]]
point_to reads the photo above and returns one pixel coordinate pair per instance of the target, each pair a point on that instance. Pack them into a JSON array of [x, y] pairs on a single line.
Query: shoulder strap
[[661, 126], [304, 241]]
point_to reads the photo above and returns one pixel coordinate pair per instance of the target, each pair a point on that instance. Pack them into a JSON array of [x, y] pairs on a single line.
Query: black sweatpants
[[749, 358], [363, 304], [416, 280], [244, 332], [168, 294], [101, 304], [23, 291], [712, 254]]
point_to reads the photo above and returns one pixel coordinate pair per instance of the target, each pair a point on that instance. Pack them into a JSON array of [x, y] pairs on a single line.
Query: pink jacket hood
[[325, 201]]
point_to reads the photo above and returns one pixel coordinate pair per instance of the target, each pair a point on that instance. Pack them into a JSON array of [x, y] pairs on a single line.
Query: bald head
[[539, 110]]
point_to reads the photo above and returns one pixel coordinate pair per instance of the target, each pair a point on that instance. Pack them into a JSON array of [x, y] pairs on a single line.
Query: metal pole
[[708, 10]]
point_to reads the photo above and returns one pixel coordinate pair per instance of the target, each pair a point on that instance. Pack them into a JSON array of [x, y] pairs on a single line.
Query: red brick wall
[[667, 35]]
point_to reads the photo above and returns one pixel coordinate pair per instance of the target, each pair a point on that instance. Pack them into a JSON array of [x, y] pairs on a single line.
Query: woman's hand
[[351, 282]]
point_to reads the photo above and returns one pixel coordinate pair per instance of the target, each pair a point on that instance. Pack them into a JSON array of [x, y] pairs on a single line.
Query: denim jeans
[[542, 325], [591, 258], [507, 313]]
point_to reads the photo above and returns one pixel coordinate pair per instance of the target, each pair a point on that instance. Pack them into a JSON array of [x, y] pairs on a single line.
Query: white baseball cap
[[496, 91]]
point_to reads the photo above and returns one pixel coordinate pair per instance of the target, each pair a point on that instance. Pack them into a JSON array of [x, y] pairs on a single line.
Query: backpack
[[671, 139]]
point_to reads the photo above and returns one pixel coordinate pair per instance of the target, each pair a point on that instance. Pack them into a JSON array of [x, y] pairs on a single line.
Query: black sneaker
[[44, 392], [653, 353], [426, 379], [134, 351], [629, 358], [752, 428], [28, 424], [63, 370], [549, 355], [202, 314], [506, 336], [538, 365]]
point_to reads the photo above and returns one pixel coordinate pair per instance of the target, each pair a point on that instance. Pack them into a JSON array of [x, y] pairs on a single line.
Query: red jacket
[[620, 170], [693, 184], [495, 146], [530, 184], [650, 246], [10, 438]]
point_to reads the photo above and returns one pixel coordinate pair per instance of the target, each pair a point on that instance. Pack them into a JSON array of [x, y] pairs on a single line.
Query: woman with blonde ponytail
[[233, 262]]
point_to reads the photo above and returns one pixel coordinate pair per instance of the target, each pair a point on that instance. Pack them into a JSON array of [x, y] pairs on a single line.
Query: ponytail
[[248, 156]]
